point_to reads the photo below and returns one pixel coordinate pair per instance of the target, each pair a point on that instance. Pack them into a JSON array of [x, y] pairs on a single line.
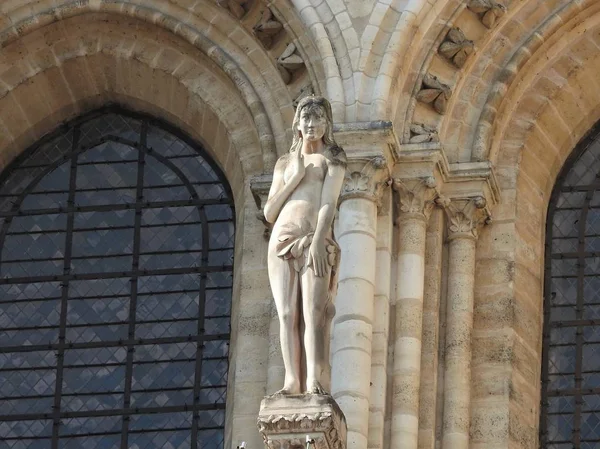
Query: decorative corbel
[[489, 11], [456, 47], [267, 28], [238, 8], [260, 186], [289, 62], [421, 133], [415, 197], [434, 93], [465, 215], [366, 178]]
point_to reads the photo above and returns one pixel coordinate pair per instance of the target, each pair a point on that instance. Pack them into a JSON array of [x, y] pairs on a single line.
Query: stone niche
[[302, 421]]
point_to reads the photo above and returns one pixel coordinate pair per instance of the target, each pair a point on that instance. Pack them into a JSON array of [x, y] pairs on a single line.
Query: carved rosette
[[366, 178], [415, 198], [456, 47], [289, 62], [421, 133], [489, 11], [434, 93], [285, 421], [465, 215], [238, 8], [267, 28]]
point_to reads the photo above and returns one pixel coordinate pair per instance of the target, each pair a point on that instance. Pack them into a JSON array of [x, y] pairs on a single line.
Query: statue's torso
[[304, 203]]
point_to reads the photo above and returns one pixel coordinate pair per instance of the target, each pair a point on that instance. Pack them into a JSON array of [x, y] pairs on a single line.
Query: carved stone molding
[[260, 186], [286, 421], [421, 133], [434, 93], [366, 178], [465, 215], [456, 47], [238, 8], [489, 11], [267, 28], [415, 198]]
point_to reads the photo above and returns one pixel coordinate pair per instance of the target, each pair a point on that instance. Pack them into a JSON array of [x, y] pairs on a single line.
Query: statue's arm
[[280, 190], [329, 198]]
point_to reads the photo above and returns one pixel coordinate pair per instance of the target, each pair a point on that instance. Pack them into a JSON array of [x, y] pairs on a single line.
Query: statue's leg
[[285, 287], [314, 303]]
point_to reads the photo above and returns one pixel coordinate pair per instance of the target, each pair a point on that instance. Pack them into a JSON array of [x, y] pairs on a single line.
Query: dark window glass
[[571, 351], [116, 254]]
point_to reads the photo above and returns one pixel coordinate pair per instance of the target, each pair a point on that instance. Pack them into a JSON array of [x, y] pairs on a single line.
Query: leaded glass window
[[570, 415], [116, 238]]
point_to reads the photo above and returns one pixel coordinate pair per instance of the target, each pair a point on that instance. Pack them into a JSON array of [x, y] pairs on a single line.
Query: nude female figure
[[303, 256]]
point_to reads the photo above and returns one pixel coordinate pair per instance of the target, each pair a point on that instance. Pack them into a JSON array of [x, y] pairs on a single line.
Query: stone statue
[[303, 257]]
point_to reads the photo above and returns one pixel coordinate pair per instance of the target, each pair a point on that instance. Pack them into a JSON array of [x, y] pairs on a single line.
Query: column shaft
[[431, 326], [353, 328], [408, 330], [459, 328]]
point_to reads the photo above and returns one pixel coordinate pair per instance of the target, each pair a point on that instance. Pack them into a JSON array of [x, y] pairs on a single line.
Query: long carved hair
[[313, 104]]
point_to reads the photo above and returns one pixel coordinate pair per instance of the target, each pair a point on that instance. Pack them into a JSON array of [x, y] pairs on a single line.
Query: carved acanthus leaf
[[238, 8], [415, 197], [488, 11], [465, 215], [267, 28], [456, 47], [366, 179], [435, 93], [288, 62], [421, 133]]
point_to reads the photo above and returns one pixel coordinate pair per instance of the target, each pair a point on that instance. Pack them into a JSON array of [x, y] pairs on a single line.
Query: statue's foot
[[293, 388], [314, 387]]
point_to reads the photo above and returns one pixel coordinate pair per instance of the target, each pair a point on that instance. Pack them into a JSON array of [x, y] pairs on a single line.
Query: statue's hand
[[298, 167], [317, 258]]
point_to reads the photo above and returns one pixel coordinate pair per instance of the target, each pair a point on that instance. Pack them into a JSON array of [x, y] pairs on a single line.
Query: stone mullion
[[430, 333], [464, 217], [353, 324], [415, 204]]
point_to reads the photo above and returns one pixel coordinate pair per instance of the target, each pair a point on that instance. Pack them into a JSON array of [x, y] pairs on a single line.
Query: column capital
[[415, 197], [366, 177], [465, 215]]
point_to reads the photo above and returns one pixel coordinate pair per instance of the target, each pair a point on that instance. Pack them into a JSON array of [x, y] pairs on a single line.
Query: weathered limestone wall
[[438, 337]]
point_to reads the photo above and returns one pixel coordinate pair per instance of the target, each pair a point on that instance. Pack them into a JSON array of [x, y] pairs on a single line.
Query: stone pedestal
[[285, 421]]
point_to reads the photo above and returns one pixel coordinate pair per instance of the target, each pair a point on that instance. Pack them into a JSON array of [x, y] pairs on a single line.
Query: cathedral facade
[[137, 145]]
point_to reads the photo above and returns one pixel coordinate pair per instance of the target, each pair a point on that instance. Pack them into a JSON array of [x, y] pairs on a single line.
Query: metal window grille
[[116, 237], [570, 409]]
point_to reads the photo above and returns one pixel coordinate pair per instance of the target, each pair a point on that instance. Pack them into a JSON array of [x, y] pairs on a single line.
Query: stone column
[[353, 322], [431, 325], [464, 216], [416, 201]]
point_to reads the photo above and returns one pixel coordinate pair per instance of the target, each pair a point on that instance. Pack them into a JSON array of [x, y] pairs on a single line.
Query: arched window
[[570, 415], [116, 240]]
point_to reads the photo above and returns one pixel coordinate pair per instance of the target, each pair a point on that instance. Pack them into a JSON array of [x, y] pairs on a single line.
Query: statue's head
[[317, 108]]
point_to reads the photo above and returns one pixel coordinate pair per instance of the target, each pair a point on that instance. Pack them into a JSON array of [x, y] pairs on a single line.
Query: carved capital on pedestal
[[366, 178], [286, 421], [465, 215], [415, 198], [260, 186]]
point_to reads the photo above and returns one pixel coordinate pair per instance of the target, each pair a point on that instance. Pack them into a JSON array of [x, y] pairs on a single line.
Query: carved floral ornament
[[267, 28], [421, 133], [415, 197], [434, 93], [289, 62], [456, 47], [465, 215], [238, 8], [489, 11], [366, 179]]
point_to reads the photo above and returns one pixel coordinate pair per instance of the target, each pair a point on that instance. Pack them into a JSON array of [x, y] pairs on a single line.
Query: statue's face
[[313, 123]]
